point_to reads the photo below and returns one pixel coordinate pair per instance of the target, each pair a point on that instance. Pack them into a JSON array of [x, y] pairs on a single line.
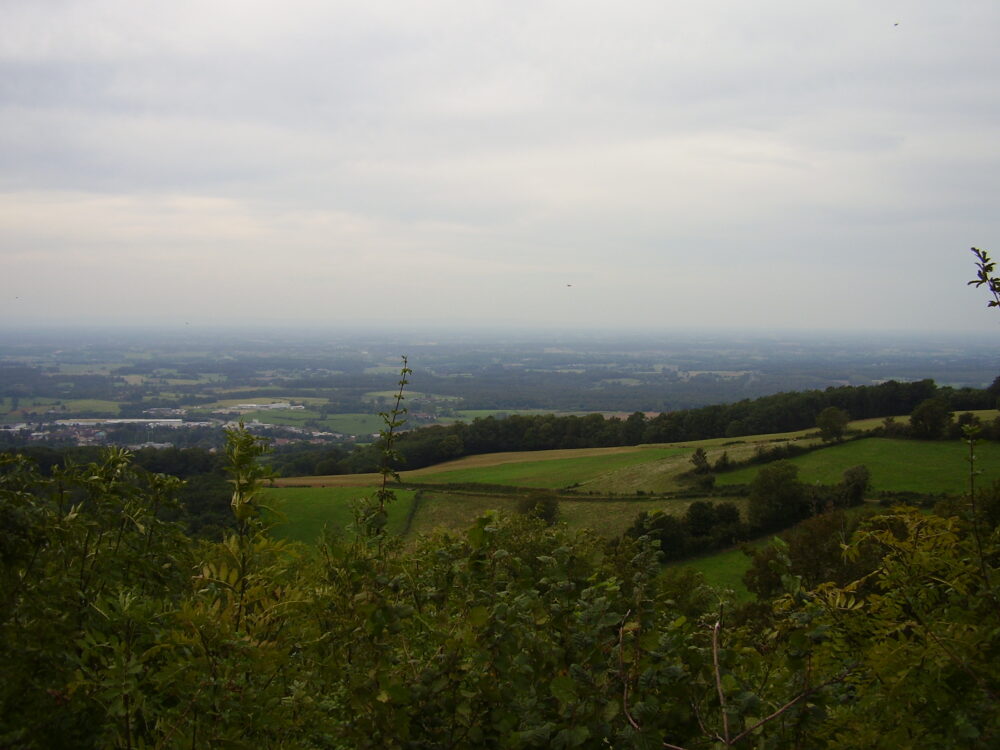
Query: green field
[[249, 389], [92, 405], [622, 381], [456, 511], [230, 402], [353, 424], [89, 368], [724, 570], [611, 518], [67, 407], [467, 415], [27, 405], [308, 509], [553, 473], [388, 396], [360, 425], [895, 465], [282, 416], [985, 415]]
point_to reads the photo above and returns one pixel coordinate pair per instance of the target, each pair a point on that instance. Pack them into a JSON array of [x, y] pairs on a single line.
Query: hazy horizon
[[380, 334]]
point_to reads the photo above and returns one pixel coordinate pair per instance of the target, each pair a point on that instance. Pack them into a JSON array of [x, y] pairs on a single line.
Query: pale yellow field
[[467, 462], [623, 480], [986, 415]]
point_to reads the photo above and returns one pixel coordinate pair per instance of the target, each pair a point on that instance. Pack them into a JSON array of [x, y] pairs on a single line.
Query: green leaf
[[572, 737], [535, 735], [398, 693], [611, 709], [477, 534], [478, 616], [563, 689]]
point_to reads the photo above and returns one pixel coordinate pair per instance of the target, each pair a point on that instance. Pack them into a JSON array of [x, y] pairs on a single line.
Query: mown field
[[388, 397], [548, 473], [724, 570], [307, 510], [895, 465], [455, 511], [62, 408], [620, 470], [470, 414], [230, 402], [353, 424], [479, 468]]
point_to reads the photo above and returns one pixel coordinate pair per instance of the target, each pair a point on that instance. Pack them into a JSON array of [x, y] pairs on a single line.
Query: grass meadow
[[282, 416], [723, 570], [228, 402], [574, 466], [307, 510], [936, 466], [468, 415], [353, 424], [455, 511], [611, 518], [986, 415], [35, 407], [70, 407], [390, 396], [548, 473]]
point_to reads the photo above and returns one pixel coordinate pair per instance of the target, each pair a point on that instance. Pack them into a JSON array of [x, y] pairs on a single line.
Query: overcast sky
[[596, 164]]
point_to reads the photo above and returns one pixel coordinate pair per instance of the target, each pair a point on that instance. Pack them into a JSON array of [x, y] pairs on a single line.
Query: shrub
[[541, 505]]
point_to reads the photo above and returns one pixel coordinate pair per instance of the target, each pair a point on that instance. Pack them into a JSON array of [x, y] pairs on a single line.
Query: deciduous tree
[[777, 497], [832, 422], [930, 419]]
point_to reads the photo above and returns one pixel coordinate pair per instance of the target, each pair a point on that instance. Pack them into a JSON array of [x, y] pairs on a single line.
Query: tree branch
[[718, 678], [804, 694], [621, 669]]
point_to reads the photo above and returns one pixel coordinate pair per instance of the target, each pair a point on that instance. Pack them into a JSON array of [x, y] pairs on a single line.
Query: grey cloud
[[732, 148]]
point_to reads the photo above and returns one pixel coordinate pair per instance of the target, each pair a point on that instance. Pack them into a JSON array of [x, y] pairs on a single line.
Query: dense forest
[[118, 630]]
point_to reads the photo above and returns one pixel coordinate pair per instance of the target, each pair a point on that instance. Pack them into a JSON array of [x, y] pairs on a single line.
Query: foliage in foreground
[[116, 630]]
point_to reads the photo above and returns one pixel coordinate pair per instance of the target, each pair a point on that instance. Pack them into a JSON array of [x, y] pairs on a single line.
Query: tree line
[[782, 412]]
